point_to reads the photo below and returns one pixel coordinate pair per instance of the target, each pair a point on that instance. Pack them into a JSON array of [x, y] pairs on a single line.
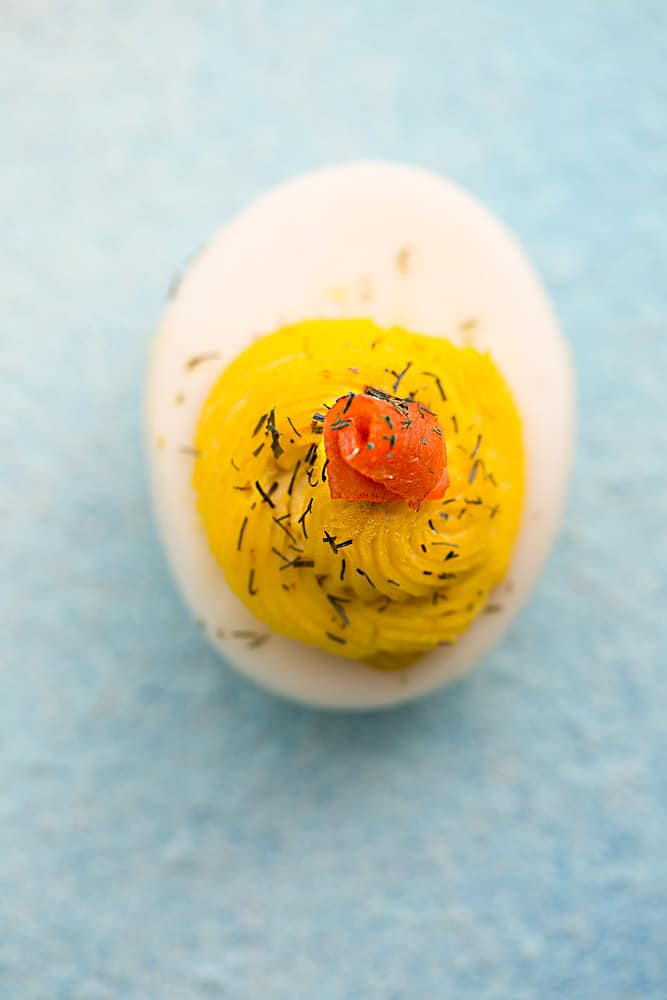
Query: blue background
[[166, 830]]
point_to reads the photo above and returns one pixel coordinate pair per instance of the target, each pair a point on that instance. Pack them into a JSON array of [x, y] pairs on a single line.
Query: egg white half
[[402, 246]]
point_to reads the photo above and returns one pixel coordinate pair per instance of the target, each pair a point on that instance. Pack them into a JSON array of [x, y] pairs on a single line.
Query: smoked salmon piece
[[382, 448]]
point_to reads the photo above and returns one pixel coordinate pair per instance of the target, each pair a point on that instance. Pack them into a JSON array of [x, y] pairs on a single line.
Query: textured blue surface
[[166, 830]]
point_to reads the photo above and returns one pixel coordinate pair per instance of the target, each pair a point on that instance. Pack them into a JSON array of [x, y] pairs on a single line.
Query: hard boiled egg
[[400, 246]]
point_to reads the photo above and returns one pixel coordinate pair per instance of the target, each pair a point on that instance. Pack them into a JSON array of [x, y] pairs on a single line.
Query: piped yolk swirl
[[322, 541]]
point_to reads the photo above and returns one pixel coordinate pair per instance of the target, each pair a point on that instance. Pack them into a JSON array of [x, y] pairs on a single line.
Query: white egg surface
[[400, 246]]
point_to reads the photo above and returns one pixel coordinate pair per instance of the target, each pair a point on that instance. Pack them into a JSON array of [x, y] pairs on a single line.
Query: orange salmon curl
[[383, 448]]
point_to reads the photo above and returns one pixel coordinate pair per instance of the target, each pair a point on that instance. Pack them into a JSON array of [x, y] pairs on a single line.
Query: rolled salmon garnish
[[383, 448]]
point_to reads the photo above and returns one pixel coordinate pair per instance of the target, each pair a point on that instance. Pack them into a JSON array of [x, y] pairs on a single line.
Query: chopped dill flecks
[[239, 542], [330, 540], [260, 424], [198, 359], [279, 522], [337, 604], [340, 424], [299, 564], [271, 428], [291, 482], [335, 638], [266, 497], [438, 383], [289, 421], [302, 519], [399, 376]]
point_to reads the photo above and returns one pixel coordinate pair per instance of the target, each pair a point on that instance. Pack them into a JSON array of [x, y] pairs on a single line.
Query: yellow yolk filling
[[377, 582]]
